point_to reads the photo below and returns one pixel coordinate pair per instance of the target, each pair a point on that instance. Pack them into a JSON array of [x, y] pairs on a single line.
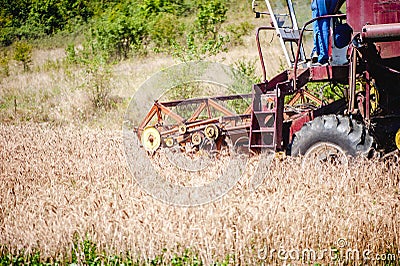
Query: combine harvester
[[365, 71]]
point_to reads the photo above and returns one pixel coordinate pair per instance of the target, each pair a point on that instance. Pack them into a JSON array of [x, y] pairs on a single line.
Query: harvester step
[[264, 130], [262, 146], [272, 111]]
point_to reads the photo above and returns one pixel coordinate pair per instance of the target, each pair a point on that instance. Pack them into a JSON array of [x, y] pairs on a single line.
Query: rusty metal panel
[[386, 12], [359, 13], [329, 73], [362, 12]]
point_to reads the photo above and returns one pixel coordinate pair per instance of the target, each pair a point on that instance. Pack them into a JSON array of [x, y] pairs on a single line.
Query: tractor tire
[[341, 132]]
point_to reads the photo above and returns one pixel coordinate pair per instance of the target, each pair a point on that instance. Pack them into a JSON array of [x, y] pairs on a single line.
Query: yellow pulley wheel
[[169, 142], [398, 139], [182, 129], [197, 138], [211, 132], [151, 139], [374, 99]]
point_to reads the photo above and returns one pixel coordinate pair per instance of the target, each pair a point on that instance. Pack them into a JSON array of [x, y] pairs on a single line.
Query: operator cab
[[289, 28]]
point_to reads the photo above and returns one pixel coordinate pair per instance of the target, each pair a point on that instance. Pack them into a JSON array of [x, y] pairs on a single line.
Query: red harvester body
[[366, 73]]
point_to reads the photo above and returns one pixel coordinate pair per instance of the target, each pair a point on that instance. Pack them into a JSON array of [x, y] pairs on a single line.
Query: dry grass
[[61, 181], [57, 92]]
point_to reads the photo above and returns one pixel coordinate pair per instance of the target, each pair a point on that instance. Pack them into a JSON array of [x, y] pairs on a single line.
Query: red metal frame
[[376, 13], [230, 121], [292, 82]]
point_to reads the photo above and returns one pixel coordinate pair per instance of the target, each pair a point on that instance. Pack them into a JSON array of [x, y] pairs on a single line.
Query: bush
[[23, 53], [32, 19], [204, 37], [97, 71], [120, 31], [176, 7], [248, 69], [237, 31], [4, 60], [210, 17], [164, 30]]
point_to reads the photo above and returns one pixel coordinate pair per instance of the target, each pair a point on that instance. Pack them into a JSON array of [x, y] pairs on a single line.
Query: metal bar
[[220, 107], [296, 61], [278, 124], [167, 132], [148, 117], [159, 116], [381, 32], [260, 50], [204, 99], [248, 110], [312, 97], [295, 98], [236, 117], [192, 125], [238, 127], [352, 80], [276, 26], [198, 111], [292, 14], [295, 26], [170, 113]]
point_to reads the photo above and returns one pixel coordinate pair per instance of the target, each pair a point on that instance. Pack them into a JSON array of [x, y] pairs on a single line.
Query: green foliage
[[13, 13], [190, 29], [23, 54], [176, 7], [210, 17], [86, 252], [328, 92], [248, 69], [71, 54], [204, 38], [229, 260], [119, 31], [4, 63], [164, 30], [122, 28], [32, 19], [187, 258], [53, 15], [237, 31], [245, 76], [98, 86], [97, 71]]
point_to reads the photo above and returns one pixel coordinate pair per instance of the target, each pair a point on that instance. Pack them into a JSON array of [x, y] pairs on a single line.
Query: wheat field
[[66, 181], [64, 176]]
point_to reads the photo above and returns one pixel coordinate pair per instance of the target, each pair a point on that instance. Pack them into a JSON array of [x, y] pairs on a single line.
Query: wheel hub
[[325, 152]]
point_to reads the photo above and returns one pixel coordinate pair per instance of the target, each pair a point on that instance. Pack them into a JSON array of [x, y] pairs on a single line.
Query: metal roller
[[182, 129], [197, 138], [211, 132], [151, 139], [381, 32], [169, 142]]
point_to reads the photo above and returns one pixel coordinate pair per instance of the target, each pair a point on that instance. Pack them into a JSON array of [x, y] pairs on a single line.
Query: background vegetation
[[120, 28], [60, 60]]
